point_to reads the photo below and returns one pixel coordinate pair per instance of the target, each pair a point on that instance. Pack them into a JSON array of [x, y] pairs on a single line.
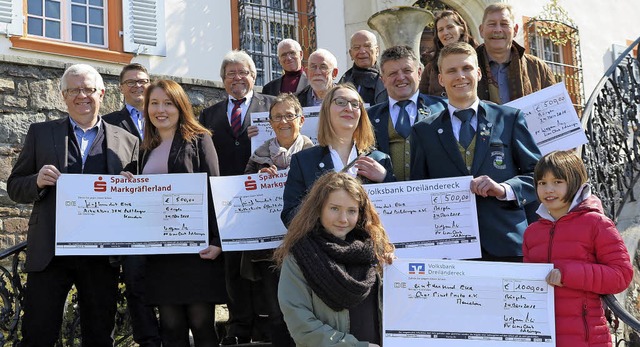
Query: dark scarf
[[366, 77], [290, 81], [519, 82], [322, 256]]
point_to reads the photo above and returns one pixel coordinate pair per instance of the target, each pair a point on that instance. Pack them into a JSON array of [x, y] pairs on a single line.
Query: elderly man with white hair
[[293, 79], [322, 69], [365, 74], [80, 143]]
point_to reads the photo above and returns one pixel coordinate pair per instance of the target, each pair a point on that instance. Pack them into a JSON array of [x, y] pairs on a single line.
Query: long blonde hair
[[363, 136], [308, 217]]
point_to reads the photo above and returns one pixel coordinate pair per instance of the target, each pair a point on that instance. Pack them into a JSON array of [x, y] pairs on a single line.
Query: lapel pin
[[321, 165], [440, 131]]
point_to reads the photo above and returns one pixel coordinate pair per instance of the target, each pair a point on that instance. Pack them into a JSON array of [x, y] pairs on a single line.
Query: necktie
[[466, 130], [236, 113], [403, 124], [137, 117]]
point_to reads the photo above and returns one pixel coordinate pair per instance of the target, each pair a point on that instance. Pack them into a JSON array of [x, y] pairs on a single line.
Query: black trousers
[[240, 304], [143, 317], [96, 281]]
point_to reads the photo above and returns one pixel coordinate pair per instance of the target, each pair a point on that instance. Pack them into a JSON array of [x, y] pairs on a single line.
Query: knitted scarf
[[340, 272]]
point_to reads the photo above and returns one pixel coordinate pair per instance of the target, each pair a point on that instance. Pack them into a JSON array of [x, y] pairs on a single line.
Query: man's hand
[[211, 252], [485, 186], [252, 131], [47, 176]]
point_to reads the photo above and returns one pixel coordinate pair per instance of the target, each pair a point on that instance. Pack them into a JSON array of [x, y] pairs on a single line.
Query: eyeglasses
[[77, 91], [323, 68], [134, 83], [234, 74], [355, 104], [290, 54], [279, 117]]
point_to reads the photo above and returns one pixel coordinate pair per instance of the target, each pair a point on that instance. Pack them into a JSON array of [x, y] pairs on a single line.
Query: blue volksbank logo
[[416, 268]]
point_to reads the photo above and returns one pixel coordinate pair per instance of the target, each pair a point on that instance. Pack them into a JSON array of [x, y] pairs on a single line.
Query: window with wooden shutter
[[143, 22]]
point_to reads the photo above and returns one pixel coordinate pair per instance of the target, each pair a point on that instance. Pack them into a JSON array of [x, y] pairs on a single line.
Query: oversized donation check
[[551, 118], [149, 214], [467, 303], [265, 132], [434, 218], [248, 210]]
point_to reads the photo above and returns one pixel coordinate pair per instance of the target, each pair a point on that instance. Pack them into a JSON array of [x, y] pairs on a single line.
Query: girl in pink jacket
[[589, 257]]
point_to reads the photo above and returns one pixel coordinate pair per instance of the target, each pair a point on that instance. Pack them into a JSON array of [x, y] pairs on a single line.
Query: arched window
[[553, 37]]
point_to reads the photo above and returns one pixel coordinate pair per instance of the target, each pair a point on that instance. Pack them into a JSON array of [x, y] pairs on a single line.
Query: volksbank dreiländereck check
[[149, 214], [434, 218], [447, 303]]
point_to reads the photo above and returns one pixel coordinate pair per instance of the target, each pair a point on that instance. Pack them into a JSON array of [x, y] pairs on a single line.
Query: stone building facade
[[29, 93]]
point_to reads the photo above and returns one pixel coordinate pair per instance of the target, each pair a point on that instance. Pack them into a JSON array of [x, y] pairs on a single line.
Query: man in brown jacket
[[508, 72]]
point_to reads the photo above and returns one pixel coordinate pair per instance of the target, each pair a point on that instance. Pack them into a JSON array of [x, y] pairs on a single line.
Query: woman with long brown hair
[[450, 28], [331, 260], [185, 287]]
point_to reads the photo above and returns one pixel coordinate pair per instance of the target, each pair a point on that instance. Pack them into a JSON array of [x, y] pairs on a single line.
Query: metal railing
[[12, 281], [611, 120]]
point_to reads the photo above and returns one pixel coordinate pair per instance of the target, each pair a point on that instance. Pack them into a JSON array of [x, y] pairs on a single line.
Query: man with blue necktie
[[490, 142]]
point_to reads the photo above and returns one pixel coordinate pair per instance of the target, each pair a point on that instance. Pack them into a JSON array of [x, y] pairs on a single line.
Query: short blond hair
[[498, 7]]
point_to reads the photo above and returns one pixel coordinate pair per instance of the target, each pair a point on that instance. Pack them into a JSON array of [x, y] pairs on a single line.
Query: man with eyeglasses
[[405, 106], [80, 143], [365, 74], [229, 122], [294, 79], [134, 80], [322, 69]]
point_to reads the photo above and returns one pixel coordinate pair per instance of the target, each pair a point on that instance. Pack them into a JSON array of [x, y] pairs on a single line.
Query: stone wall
[[28, 94]]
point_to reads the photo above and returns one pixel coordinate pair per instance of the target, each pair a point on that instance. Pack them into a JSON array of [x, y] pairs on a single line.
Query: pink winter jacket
[[587, 249]]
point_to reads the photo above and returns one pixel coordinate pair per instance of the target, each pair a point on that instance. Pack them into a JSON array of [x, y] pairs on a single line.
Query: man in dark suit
[[229, 121], [393, 118], [294, 79], [488, 141], [134, 80], [79, 143]]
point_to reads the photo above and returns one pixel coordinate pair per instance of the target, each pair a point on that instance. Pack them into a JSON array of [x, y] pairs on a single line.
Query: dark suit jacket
[[190, 157], [233, 153], [307, 166], [379, 116], [122, 119], [273, 88], [505, 151], [379, 92], [45, 144]]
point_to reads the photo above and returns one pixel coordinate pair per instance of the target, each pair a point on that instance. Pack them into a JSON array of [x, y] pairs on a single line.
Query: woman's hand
[[388, 257], [126, 174], [554, 278], [373, 345], [371, 169], [271, 170], [211, 252]]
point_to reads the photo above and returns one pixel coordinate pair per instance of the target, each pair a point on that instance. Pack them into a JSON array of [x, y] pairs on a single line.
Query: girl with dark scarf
[[331, 260]]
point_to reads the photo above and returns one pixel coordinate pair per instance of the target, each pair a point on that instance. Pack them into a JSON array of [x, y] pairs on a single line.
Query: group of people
[[322, 286]]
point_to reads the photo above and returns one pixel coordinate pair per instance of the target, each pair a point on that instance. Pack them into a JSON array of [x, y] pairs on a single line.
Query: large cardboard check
[[467, 303], [551, 118], [265, 132], [248, 210], [434, 218], [150, 214]]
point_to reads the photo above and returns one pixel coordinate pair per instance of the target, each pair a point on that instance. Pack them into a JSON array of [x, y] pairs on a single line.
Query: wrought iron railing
[[611, 120], [12, 281]]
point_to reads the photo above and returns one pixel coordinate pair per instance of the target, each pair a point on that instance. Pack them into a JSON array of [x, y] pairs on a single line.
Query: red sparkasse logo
[[100, 186], [250, 184]]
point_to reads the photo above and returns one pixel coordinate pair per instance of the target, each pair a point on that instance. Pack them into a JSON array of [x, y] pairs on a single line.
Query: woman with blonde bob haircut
[[331, 261], [346, 140]]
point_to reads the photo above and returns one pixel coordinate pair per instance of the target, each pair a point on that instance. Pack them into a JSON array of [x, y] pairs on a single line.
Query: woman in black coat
[[185, 287]]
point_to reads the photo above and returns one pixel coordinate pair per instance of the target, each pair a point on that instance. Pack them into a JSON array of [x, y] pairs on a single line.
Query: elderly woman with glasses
[[286, 119], [346, 143]]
